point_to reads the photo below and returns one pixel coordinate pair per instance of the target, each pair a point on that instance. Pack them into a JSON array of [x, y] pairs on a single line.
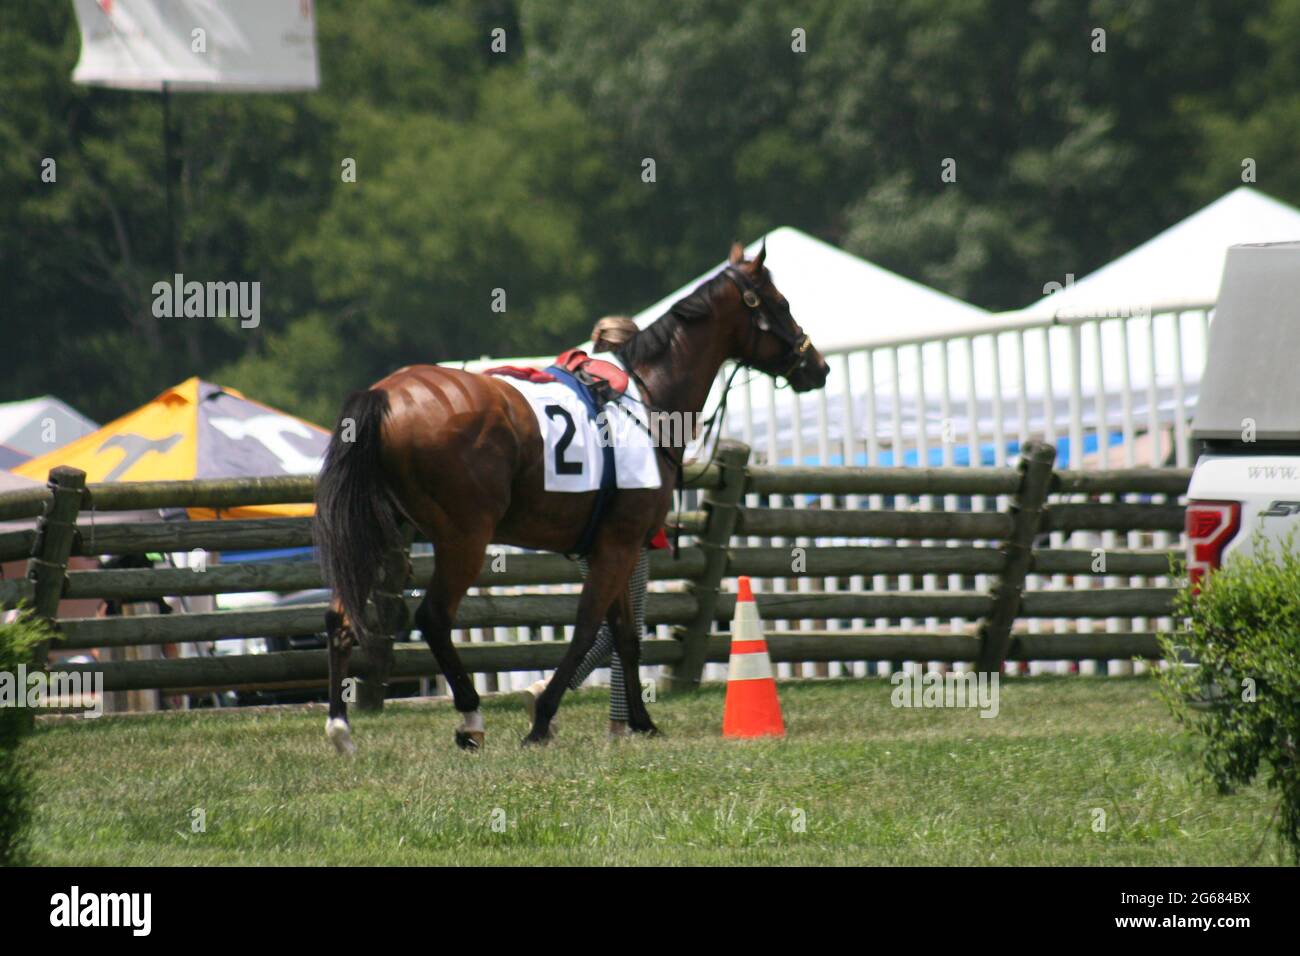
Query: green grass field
[[871, 783]]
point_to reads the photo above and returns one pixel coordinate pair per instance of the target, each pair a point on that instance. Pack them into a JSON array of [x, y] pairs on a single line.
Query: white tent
[[1185, 262], [1177, 270], [35, 426], [1173, 278], [840, 300]]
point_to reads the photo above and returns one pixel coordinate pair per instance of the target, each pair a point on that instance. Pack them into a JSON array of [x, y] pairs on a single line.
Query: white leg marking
[[340, 735]]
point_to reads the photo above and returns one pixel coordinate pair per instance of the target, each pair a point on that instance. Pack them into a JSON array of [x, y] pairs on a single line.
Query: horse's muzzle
[[809, 374]]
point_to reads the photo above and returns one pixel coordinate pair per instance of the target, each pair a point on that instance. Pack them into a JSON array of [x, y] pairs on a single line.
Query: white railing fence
[[1110, 389]]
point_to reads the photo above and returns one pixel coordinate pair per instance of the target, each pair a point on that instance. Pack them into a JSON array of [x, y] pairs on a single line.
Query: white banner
[[248, 45]]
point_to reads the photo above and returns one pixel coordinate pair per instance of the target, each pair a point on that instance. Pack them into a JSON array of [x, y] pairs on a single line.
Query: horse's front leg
[[611, 565]]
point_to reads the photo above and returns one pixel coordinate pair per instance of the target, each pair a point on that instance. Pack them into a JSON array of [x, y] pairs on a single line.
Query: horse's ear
[[737, 254], [762, 254]]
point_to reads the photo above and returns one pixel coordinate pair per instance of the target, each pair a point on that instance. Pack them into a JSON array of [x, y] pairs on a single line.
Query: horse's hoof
[[530, 708], [340, 735], [532, 740], [469, 739], [649, 730]]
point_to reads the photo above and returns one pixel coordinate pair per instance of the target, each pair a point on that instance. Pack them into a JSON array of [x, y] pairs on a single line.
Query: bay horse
[[460, 457]]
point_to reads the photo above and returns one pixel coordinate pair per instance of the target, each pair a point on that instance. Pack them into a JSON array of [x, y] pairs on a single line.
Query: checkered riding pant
[[602, 652]]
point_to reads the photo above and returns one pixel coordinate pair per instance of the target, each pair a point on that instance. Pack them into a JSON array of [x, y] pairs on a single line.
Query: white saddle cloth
[[574, 453]]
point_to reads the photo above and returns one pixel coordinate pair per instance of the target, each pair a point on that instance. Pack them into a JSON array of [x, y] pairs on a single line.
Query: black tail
[[355, 523]]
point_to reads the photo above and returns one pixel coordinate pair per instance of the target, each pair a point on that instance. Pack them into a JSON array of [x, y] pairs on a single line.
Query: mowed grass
[[856, 781]]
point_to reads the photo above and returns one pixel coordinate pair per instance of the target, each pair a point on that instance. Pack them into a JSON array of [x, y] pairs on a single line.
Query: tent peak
[[1184, 261], [194, 390]]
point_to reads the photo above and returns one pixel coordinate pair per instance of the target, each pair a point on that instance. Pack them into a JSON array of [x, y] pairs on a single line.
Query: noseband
[[764, 316]]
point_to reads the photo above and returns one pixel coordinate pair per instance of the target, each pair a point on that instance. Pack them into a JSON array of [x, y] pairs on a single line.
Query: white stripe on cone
[[753, 666], [747, 626]]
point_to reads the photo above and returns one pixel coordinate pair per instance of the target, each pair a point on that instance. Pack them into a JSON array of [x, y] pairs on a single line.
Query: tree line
[[462, 154]]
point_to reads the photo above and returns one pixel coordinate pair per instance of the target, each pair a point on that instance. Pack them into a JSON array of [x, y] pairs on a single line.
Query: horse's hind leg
[[338, 637], [391, 618], [628, 641], [456, 564]]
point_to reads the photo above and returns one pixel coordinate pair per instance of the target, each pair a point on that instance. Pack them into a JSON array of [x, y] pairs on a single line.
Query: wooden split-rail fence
[[1004, 546]]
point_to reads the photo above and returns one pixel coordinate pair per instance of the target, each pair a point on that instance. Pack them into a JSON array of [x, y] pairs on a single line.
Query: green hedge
[[17, 643], [1241, 698]]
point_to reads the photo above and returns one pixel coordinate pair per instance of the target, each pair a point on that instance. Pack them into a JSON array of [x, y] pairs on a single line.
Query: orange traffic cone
[[752, 708]]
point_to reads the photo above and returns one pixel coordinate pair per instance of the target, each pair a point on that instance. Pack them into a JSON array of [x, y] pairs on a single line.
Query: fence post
[[1036, 460], [55, 533], [721, 505]]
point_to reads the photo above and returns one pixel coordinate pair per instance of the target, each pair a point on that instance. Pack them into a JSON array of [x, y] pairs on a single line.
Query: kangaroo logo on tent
[[270, 431], [136, 447]]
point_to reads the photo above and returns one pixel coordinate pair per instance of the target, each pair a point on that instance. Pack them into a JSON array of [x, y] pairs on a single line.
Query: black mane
[[654, 340]]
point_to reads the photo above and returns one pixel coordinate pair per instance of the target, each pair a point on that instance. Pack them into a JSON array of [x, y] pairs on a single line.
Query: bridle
[[764, 317], [775, 319]]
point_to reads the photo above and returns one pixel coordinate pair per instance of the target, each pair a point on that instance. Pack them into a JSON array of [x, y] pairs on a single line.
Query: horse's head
[[765, 335]]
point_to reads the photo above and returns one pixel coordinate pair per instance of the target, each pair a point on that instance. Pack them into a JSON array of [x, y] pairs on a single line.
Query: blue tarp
[[279, 554], [960, 454]]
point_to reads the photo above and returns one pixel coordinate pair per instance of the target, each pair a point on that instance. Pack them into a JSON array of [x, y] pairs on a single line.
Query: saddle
[[605, 380]]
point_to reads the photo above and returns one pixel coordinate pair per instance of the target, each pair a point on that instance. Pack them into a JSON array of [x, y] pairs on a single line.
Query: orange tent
[[195, 430]]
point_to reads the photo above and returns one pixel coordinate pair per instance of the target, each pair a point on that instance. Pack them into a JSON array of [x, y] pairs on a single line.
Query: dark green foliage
[[522, 171], [1242, 700]]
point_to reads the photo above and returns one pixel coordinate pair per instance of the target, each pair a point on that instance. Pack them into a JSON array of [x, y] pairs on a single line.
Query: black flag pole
[[267, 47], [169, 161]]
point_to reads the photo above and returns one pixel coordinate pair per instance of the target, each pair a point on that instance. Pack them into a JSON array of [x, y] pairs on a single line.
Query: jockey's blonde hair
[[612, 333]]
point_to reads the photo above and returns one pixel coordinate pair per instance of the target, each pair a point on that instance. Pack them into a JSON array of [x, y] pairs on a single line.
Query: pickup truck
[[1247, 424]]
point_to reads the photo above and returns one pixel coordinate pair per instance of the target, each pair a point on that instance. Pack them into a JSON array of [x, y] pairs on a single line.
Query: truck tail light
[[1210, 526]]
